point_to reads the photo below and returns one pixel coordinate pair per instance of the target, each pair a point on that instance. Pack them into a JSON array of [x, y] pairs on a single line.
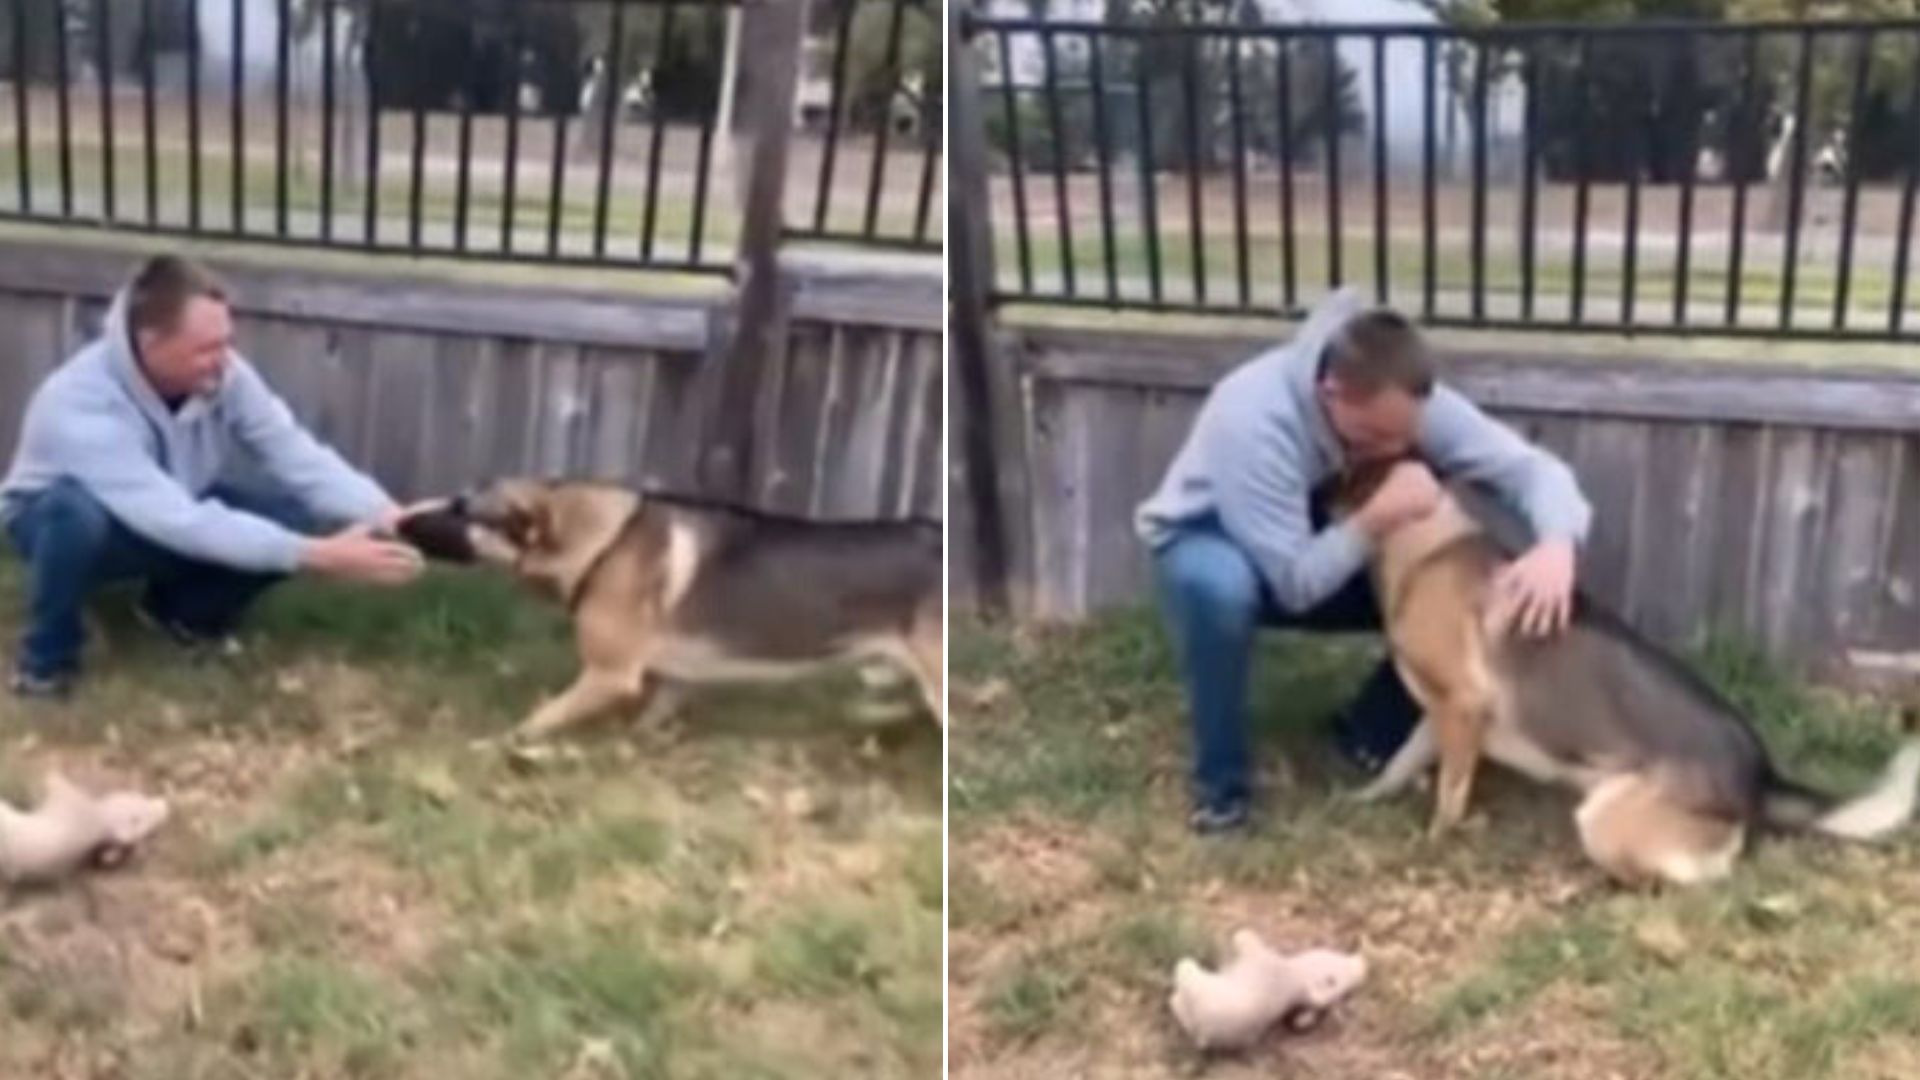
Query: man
[[1239, 539], [128, 468]]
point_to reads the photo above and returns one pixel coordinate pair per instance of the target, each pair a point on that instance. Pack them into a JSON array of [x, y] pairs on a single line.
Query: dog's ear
[[1354, 486]]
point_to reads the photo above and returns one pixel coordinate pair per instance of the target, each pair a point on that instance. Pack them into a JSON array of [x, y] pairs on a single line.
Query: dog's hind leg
[[1635, 832], [592, 693], [660, 701], [923, 659]]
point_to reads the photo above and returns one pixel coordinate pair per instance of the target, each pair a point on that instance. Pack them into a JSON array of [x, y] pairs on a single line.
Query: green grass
[[357, 883], [533, 206], [1031, 998], [439, 204], [1496, 952]]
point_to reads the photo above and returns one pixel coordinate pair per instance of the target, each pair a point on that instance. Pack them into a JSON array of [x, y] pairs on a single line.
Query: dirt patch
[[135, 946]]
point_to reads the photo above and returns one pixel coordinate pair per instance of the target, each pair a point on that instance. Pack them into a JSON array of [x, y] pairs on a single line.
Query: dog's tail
[[1886, 806]]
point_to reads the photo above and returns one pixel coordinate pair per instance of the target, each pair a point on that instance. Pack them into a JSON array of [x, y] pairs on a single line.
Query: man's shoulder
[[242, 386], [82, 378], [1449, 411], [1258, 391]]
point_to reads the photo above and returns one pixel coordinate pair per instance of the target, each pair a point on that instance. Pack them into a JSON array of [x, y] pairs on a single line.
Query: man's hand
[[1409, 493], [356, 555], [389, 520], [1535, 591]]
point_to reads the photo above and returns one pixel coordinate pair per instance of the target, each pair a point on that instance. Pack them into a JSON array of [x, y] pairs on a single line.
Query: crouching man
[[1241, 540], [127, 469]]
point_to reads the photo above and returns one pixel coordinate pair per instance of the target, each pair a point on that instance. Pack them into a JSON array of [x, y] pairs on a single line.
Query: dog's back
[[806, 582], [1600, 697]]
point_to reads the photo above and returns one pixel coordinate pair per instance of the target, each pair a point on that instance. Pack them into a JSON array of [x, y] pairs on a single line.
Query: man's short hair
[[1378, 349], [162, 288]]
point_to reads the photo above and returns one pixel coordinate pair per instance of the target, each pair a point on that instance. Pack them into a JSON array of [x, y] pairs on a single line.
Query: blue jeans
[[72, 545], [1216, 602]]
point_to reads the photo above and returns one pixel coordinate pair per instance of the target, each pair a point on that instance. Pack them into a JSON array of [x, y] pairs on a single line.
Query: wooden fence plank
[[1055, 508], [1897, 622], [856, 451], [1608, 458], [915, 415], [1701, 548], [462, 367], [614, 380], [1738, 531], [1667, 507], [1795, 493], [1852, 534], [402, 367], [787, 464], [30, 343], [1112, 475], [513, 411]]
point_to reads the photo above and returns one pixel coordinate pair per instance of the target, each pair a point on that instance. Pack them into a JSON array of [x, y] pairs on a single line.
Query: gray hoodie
[[1262, 444], [98, 421]]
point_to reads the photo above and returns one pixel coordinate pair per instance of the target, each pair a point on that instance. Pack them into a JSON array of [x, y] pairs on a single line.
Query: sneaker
[[50, 687], [186, 636], [1216, 818], [1353, 746]]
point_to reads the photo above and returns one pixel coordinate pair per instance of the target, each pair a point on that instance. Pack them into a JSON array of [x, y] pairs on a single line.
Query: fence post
[[773, 32], [991, 427]]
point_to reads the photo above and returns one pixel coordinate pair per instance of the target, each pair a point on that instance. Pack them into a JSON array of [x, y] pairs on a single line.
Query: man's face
[[189, 358], [1371, 427]]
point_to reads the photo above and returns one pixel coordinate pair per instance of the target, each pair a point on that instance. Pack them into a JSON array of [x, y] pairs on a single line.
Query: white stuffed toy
[[1232, 1008], [70, 828]]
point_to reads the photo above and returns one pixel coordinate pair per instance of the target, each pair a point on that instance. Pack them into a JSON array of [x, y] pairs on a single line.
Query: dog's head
[[128, 819], [1321, 978], [542, 530], [500, 522], [1351, 489]]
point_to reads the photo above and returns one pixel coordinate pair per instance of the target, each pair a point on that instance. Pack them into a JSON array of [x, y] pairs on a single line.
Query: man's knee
[[1214, 583], [70, 519]]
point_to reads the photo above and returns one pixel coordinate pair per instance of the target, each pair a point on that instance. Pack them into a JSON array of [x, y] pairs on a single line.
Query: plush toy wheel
[[1302, 1018]]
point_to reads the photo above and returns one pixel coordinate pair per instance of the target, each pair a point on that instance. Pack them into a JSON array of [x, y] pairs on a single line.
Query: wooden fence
[[434, 385], [1779, 504]]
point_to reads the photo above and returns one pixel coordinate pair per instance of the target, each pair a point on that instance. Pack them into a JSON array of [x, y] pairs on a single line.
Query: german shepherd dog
[[1673, 776], [665, 592]]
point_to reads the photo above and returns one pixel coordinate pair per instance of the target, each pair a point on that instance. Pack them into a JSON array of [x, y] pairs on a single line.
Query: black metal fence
[[549, 131], [886, 76], [1676, 177]]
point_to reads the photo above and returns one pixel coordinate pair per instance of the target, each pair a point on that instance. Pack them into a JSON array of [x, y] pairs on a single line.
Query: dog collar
[[593, 566]]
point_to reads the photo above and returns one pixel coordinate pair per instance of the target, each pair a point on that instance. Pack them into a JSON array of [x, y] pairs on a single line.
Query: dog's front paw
[[1442, 823], [528, 734]]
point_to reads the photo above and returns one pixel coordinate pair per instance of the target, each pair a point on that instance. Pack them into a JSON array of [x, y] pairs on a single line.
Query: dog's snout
[[459, 504]]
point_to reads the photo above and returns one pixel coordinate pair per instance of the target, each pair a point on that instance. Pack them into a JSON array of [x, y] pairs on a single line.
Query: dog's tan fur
[[626, 564], [1651, 812]]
